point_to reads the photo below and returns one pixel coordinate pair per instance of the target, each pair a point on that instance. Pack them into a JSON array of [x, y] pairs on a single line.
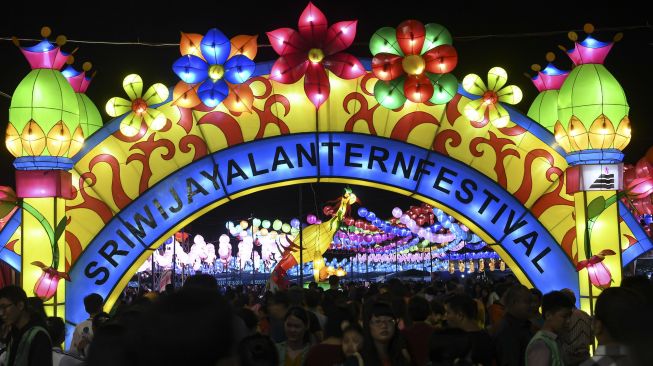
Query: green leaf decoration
[[595, 208], [384, 40], [390, 94], [436, 35], [445, 87]]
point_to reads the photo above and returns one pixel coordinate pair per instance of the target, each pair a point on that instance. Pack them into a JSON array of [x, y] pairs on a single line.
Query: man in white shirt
[[84, 331]]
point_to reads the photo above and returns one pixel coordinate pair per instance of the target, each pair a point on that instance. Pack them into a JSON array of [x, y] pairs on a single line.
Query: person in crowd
[[436, 319], [312, 299], [419, 333], [615, 315], [293, 351], [536, 319], [329, 351], [26, 337], [277, 308], [257, 350], [461, 315], [575, 341], [83, 332], [495, 307], [383, 344], [57, 330], [513, 332], [352, 345], [543, 348]]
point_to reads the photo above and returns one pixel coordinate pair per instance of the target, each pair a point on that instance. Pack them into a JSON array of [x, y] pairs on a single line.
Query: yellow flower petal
[[156, 94], [130, 125], [496, 78], [475, 109], [117, 106], [511, 94], [133, 85], [154, 119], [498, 115], [473, 84]]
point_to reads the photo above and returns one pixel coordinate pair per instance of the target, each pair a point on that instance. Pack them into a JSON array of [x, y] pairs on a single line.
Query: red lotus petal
[[640, 188], [316, 84], [340, 36], [344, 65], [410, 36], [313, 25], [605, 252], [441, 60], [288, 69], [595, 259], [386, 66], [418, 89], [286, 41]]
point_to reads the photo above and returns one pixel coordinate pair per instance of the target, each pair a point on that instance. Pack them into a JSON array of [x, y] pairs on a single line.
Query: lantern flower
[[46, 285], [487, 108], [313, 50], [212, 70], [599, 274], [413, 62], [138, 106], [639, 188]]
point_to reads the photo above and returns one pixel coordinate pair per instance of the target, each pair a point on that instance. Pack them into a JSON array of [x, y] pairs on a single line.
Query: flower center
[[315, 55], [413, 64], [216, 72], [490, 97], [139, 106]]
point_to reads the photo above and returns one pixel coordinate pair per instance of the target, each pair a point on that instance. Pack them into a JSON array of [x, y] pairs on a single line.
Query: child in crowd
[[352, 345]]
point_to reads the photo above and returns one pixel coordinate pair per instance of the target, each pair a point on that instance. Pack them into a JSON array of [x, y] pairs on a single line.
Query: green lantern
[[544, 108], [592, 105], [44, 110], [89, 116]]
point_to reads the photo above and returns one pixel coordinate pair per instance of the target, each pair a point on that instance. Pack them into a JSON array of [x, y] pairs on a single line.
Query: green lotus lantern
[[44, 110], [548, 81], [592, 106], [89, 116]]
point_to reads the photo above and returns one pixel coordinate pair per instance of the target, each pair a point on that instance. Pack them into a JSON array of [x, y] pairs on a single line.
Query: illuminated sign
[[601, 177], [256, 165]]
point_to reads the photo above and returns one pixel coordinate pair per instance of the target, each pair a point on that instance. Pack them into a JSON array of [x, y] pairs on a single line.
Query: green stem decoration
[[53, 235], [594, 210]]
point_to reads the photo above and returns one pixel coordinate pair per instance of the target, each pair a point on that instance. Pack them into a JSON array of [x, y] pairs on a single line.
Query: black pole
[[301, 241], [152, 277], [174, 261]]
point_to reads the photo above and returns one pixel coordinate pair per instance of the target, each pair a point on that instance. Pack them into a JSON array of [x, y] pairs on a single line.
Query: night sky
[[484, 37]]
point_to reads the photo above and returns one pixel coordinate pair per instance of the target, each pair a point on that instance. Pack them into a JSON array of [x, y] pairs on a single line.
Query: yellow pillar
[[597, 235]]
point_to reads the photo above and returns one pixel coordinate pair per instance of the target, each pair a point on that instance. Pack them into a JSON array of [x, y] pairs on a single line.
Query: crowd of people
[[475, 322]]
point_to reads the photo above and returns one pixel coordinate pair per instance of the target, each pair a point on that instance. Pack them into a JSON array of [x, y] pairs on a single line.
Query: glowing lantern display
[[46, 285], [544, 108], [313, 50], [44, 110], [592, 105], [487, 108], [89, 116], [599, 274], [413, 62], [213, 69], [139, 106]]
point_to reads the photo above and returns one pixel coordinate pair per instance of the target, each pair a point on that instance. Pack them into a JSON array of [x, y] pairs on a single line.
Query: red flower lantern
[[46, 285], [598, 272], [313, 50]]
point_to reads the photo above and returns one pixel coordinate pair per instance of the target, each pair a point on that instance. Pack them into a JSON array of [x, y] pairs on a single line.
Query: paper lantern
[[487, 107], [44, 109], [139, 106], [313, 50], [592, 106], [215, 73], [409, 64]]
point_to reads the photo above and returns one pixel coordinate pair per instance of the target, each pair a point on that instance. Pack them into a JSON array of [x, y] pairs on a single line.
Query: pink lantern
[[598, 272], [46, 285]]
